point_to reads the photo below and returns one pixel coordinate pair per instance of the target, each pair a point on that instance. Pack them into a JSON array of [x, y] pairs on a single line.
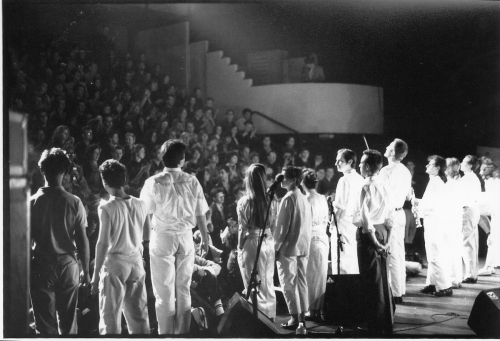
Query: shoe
[[285, 325], [398, 299], [301, 329], [444, 292], [456, 286], [470, 280], [430, 289], [486, 271]]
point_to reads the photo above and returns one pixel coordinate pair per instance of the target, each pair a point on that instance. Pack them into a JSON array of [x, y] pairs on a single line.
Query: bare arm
[[100, 249], [202, 226], [82, 245]]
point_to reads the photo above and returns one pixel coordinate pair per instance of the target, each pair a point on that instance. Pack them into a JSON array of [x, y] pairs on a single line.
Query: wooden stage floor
[[420, 315]]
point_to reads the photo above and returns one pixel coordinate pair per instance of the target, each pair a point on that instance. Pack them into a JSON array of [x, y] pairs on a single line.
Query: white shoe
[[301, 329], [486, 271]]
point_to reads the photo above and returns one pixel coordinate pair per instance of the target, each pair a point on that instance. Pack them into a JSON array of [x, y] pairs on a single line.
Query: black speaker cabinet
[[345, 300], [239, 322], [484, 318]]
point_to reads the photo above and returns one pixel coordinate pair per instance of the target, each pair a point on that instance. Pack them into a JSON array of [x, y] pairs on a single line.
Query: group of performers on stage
[[369, 216]]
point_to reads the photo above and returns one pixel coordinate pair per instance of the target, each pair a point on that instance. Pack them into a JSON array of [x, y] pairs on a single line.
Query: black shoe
[[398, 299], [444, 292], [470, 280], [285, 325], [430, 289]]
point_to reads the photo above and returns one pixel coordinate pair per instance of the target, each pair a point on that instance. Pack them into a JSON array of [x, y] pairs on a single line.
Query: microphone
[[330, 201], [277, 180]]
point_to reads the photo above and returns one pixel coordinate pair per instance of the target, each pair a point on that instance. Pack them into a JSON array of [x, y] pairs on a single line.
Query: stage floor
[[420, 315]]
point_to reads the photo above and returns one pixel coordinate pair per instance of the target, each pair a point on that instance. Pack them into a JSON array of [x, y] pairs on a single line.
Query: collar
[[176, 169]]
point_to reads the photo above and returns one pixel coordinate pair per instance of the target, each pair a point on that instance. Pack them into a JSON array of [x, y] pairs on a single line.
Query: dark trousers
[[208, 288], [54, 290], [373, 272]]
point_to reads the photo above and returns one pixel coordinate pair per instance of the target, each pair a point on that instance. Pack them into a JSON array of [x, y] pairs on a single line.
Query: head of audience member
[[139, 152], [245, 153], [309, 179], [174, 153], [117, 152], [92, 153], [239, 192], [70, 151], [304, 154], [198, 114], [60, 136], [113, 175], [218, 195], [234, 131], [271, 157], [320, 173], [318, 159], [266, 141], [248, 127], [346, 160], [87, 134], [129, 140], [229, 115], [214, 158], [370, 163], [224, 173], [452, 168], [218, 131], [243, 170], [396, 150], [292, 178], [436, 167], [290, 142], [190, 128], [254, 157], [330, 172], [195, 154], [247, 114], [54, 163], [108, 122], [470, 163]]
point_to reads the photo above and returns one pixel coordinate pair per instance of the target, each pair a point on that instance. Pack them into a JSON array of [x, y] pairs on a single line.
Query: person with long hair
[[251, 218], [346, 199], [430, 207], [472, 186], [317, 267], [292, 236]]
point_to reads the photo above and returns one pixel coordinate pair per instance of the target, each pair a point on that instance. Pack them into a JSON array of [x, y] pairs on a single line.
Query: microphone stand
[[340, 329], [253, 284]]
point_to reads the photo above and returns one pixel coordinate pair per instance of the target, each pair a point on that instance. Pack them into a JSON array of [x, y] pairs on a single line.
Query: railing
[[276, 122]]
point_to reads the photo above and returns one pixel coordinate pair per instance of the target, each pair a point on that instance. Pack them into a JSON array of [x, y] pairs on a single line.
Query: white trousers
[[455, 248], [348, 257], [397, 267], [436, 248], [122, 288], [470, 246], [266, 297], [317, 270], [292, 273], [493, 255], [172, 263]]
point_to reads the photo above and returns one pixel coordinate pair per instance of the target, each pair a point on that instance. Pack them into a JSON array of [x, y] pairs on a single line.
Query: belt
[[398, 209]]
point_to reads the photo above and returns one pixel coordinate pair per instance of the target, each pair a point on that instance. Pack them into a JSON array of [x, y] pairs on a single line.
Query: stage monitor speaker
[[484, 318], [238, 321], [345, 300]]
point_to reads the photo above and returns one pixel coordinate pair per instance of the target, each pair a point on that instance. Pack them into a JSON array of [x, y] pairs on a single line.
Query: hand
[[488, 241], [203, 248], [85, 278]]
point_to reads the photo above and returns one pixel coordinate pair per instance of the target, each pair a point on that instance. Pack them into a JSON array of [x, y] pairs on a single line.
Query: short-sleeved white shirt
[[175, 199], [397, 180], [347, 193], [374, 204], [126, 223]]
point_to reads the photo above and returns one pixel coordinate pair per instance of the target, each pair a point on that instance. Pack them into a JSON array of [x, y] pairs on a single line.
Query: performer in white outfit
[[346, 200], [252, 209], [455, 205], [177, 204], [472, 187], [489, 172], [317, 266], [430, 207], [292, 240], [398, 183], [119, 275]]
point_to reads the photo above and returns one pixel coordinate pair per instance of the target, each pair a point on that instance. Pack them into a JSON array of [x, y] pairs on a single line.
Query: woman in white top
[[317, 267], [251, 215], [346, 198], [472, 188], [430, 207]]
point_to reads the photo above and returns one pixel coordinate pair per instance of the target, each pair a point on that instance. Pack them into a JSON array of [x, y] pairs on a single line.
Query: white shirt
[[175, 199], [319, 209], [472, 187], [432, 198], [398, 182], [124, 220], [374, 204], [348, 192]]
